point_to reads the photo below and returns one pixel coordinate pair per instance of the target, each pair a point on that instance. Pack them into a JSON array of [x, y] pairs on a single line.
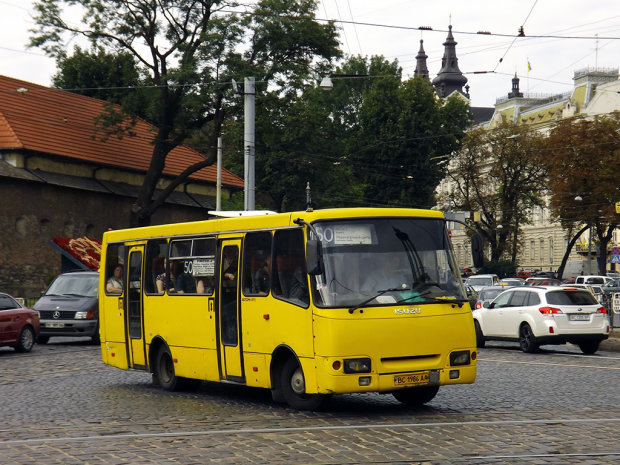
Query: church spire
[[450, 77], [515, 88], [420, 67]]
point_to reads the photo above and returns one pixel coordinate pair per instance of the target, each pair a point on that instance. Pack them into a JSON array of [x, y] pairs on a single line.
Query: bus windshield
[[386, 261]]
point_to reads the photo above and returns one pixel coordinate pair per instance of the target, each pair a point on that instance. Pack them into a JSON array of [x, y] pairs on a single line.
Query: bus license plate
[[578, 317], [55, 325], [412, 379]]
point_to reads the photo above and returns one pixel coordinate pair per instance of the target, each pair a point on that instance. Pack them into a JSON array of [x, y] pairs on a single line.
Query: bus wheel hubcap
[[297, 382]]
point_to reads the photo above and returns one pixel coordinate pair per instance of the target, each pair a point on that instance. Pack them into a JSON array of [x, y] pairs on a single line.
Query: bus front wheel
[[416, 396], [293, 388]]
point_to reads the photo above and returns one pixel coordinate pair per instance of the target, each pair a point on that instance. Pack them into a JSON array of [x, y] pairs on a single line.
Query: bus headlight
[[460, 357], [356, 365]]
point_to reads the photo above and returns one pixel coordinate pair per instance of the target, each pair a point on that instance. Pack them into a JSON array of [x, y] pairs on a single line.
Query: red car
[[19, 325]]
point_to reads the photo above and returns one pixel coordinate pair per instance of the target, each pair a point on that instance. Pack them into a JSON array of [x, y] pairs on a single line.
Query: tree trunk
[[569, 247]]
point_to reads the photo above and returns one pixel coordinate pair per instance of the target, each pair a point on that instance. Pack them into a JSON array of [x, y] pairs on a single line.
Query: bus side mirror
[[314, 254]]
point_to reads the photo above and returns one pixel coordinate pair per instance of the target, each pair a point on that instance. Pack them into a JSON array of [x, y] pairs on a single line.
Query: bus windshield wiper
[[425, 295], [379, 294]]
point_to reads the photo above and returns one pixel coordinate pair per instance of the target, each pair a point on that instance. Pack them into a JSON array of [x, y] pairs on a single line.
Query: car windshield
[[576, 297], [383, 261], [490, 294], [75, 285], [479, 281], [7, 303]]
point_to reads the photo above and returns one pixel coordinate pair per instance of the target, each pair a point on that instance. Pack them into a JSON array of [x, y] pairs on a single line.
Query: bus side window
[[257, 263], [115, 258], [290, 278], [156, 252]]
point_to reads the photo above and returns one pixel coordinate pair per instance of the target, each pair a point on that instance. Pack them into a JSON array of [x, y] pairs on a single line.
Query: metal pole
[[218, 190], [249, 95], [590, 250]]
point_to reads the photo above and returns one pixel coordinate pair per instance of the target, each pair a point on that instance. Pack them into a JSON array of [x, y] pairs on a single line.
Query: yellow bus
[[307, 304]]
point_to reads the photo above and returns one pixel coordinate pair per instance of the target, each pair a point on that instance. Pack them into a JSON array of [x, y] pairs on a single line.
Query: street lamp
[[327, 84], [498, 230], [578, 198]]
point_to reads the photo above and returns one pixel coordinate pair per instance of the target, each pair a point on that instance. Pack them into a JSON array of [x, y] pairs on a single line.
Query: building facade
[[543, 242], [58, 177]]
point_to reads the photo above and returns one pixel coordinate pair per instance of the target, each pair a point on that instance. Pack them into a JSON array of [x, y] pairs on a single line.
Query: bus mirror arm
[[314, 250]]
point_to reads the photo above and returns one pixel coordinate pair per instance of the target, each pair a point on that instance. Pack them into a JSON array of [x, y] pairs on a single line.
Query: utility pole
[[249, 97], [218, 195]]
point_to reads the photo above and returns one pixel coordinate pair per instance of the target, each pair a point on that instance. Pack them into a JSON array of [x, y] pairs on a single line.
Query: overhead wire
[[515, 38]]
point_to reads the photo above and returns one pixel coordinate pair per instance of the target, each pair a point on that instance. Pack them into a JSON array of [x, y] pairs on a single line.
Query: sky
[[585, 35]]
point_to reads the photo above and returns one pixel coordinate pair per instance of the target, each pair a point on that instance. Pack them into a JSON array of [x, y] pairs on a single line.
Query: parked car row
[[68, 307], [19, 325]]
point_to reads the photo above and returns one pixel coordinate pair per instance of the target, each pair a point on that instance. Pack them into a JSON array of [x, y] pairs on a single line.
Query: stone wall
[[31, 213]]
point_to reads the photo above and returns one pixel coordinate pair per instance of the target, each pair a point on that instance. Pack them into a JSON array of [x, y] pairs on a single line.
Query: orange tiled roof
[[58, 122]]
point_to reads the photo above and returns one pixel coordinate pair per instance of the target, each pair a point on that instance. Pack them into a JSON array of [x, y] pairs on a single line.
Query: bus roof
[[264, 221]]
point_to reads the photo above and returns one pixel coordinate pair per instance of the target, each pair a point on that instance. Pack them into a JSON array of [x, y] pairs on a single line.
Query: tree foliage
[[583, 160], [372, 140], [187, 52], [499, 173]]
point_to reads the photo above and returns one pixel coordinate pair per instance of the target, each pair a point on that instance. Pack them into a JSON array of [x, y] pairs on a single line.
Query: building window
[[542, 249], [532, 250], [551, 250]]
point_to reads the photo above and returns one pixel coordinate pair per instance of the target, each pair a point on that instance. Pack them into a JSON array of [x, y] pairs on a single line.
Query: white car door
[[493, 317], [514, 314]]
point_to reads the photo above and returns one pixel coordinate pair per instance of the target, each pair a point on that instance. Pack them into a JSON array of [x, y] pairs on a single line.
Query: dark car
[[70, 306], [487, 294], [19, 325]]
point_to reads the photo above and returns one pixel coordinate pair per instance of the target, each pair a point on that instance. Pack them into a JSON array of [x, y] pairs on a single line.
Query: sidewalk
[[613, 343]]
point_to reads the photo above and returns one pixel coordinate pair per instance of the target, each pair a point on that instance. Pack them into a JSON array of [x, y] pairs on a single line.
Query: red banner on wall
[[84, 249]]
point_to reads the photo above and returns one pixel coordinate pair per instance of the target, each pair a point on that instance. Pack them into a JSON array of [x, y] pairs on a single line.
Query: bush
[[502, 268]]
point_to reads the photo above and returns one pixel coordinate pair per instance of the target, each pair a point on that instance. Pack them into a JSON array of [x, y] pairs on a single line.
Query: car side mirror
[[314, 257], [487, 304]]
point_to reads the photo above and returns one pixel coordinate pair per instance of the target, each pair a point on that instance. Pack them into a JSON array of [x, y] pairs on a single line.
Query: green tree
[[499, 173], [404, 132], [583, 159], [372, 140], [101, 75], [187, 52]]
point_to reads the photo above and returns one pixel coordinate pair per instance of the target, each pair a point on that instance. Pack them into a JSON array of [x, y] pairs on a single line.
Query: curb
[[612, 344]]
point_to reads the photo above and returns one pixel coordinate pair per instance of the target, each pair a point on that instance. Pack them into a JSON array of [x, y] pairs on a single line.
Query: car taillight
[[549, 310], [478, 305], [601, 310]]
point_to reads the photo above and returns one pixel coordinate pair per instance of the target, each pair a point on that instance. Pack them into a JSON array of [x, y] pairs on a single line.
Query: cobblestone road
[[61, 405]]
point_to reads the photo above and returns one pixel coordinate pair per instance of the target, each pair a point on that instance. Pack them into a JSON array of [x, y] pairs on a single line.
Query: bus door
[[229, 330], [136, 354]]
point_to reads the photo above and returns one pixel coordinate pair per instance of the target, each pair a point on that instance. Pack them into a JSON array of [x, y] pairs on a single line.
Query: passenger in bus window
[[161, 280], [115, 282], [229, 266], [260, 282], [183, 282], [205, 285], [297, 285]]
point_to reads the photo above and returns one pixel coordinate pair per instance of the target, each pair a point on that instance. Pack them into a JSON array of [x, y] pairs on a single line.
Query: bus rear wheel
[[165, 375], [416, 396], [293, 388]]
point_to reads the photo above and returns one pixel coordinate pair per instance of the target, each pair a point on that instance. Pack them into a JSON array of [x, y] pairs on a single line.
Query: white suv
[[535, 316]]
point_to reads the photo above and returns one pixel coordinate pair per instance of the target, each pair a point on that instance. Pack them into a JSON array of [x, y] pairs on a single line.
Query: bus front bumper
[[337, 382]]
